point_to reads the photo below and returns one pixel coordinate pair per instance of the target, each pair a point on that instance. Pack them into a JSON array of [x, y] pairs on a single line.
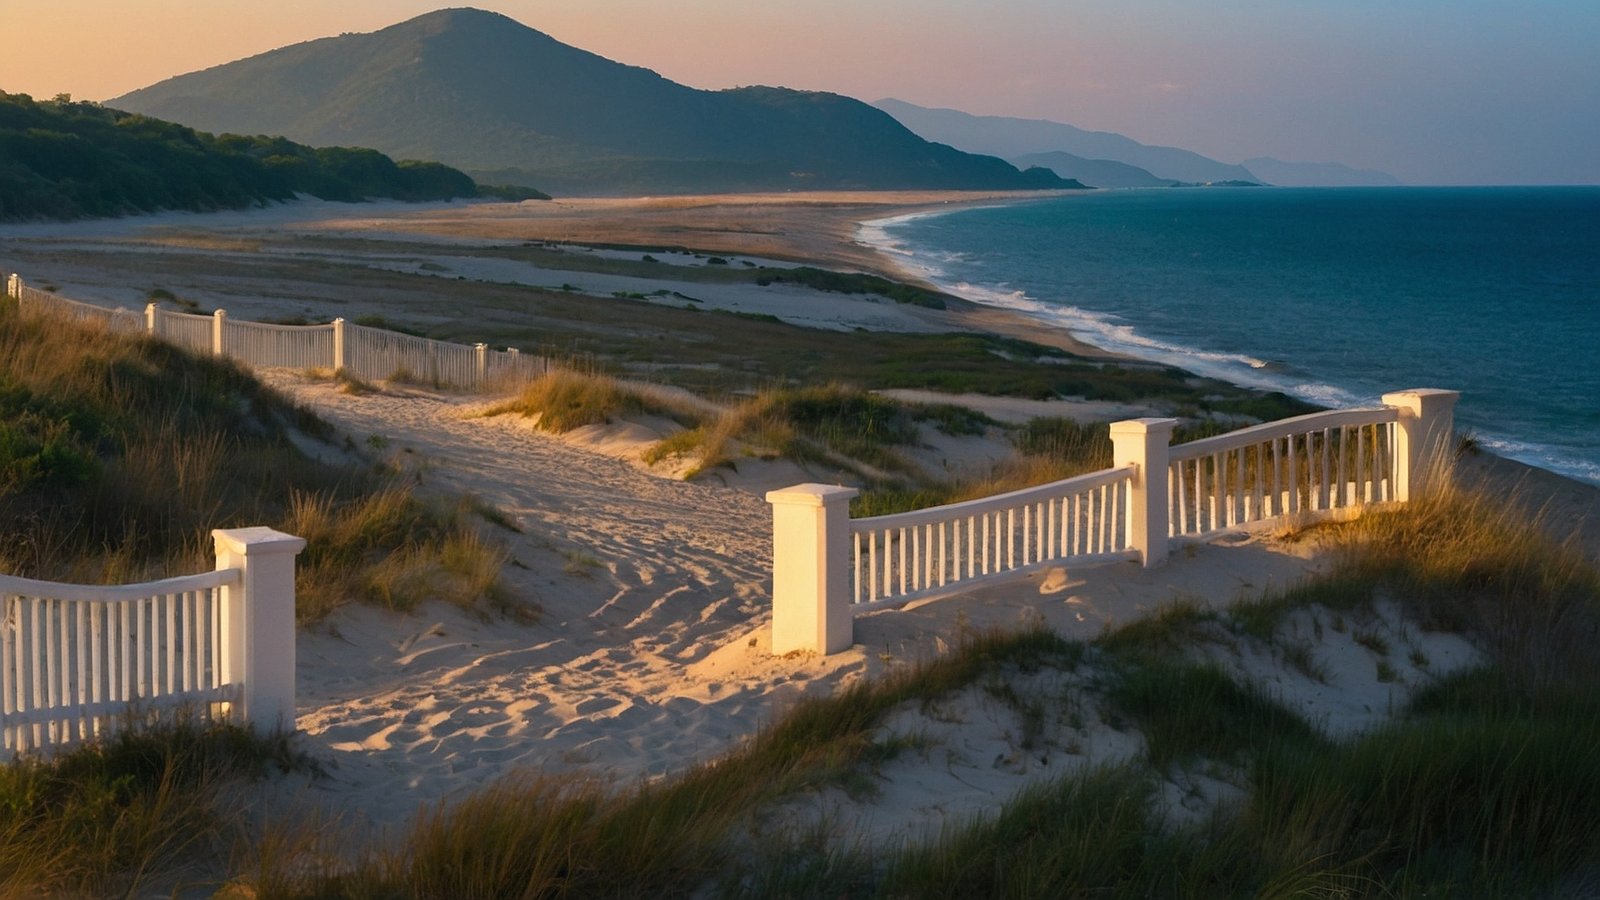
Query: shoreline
[[821, 229], [1255, 371]]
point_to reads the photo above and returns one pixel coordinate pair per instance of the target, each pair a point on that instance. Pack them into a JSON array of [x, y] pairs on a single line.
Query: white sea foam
[[1540, 455], [1111, 332]]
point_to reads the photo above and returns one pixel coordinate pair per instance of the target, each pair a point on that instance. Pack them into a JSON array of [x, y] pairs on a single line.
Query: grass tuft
[[139, 807], [1468, 562], [564, 400], [390, 548], [833, 424]]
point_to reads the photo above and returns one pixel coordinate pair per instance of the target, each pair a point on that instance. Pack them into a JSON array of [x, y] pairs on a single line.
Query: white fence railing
[[1309, 464], [828, 568], [900, 557], [368, 353], [34, 300], [77, 660]]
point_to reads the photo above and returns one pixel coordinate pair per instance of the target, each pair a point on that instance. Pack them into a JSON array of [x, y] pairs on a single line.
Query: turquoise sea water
[[1335, 295]]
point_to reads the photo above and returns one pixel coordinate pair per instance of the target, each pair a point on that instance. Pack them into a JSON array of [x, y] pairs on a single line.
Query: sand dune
[[652, 652]]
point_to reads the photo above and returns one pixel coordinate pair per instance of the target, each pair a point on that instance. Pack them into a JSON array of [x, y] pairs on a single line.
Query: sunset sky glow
[[1463, 92]]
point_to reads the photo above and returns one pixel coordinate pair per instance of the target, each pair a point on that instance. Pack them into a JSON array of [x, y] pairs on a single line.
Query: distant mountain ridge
[[1105, 173], [484, 93], [1024, 141], [1010, 137]]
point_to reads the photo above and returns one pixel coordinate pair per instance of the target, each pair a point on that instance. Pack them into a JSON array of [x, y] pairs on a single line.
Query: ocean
[[1334, 295]]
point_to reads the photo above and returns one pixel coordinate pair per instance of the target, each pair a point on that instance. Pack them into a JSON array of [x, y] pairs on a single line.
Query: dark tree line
[[66, 160]]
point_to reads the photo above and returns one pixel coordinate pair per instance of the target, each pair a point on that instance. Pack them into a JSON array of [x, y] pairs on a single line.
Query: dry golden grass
[[565, 399], [1469, 561]]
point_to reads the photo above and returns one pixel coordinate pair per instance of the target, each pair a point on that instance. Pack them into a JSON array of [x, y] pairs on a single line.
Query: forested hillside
[[65, 160]]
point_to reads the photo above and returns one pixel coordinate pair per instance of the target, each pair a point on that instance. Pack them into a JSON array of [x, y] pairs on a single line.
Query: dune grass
[[833, 424], [388, 548], [566, 399], [135, 811], [119, 454]]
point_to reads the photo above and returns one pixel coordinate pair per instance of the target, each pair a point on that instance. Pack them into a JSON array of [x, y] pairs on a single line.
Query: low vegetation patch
[[389, 548], [852, 283], [130, 813], [565, 399], [832, 424]]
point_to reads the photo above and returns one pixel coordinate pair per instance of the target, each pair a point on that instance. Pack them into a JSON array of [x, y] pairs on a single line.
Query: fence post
[[1144, 442], [1422, 439], [151, 311], [483, 361], [257, 623], [219, 321], [810, 587], [14, 286], [338, 344]]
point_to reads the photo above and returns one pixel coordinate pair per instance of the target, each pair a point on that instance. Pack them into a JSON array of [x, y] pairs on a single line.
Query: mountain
[[1011, 138], [1292, 174], [482, 92], [65, 160], [1104, 173]]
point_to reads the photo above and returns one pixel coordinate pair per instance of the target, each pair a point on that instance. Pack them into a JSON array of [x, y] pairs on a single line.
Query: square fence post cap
[[1397, 396], [1144, 426], [258, 539], [811, 495]]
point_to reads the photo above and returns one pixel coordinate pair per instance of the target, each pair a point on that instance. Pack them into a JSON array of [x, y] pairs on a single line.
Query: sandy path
[[652, 652], [639, 578]]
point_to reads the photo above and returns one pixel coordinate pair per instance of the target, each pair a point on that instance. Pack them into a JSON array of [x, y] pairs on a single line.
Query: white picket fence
[[77, 661], [372, 354], [1309, 464], [900, 557], [828, 568]]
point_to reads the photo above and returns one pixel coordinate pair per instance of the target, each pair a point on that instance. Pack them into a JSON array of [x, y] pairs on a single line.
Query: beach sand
[[652, 650]]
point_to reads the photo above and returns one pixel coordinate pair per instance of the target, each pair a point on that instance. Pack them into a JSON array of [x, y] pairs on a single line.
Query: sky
[[1431, 91]]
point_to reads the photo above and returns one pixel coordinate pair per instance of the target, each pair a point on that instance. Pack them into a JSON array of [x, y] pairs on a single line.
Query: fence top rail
[[184, 317], [275, 326], [13, 586], [29, 292], [1256, 434], [935, 514], [354, 330]]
